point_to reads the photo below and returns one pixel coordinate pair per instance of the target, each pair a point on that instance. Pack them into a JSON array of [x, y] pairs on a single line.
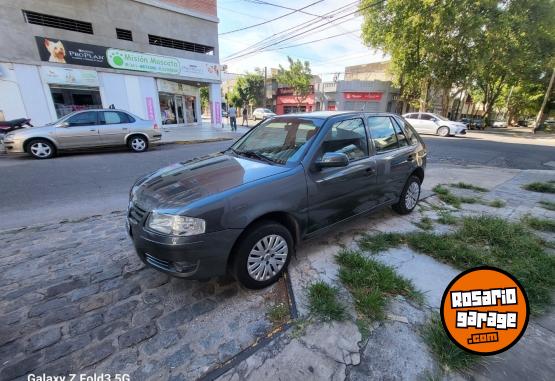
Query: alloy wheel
[[412, 195], [267, 257], [41, 149], [138, 144], [443, 131]]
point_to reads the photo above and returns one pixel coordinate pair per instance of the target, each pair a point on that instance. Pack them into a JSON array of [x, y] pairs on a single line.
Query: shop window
[[57, 22], [70, 99], [167, 108]]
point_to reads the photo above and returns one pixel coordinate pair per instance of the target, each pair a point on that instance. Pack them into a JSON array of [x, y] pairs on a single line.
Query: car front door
[[114, 126], [394, 156], [79, 130], [338, 193], [428, 123]]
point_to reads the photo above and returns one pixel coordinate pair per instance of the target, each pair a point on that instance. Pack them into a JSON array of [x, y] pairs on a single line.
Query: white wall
[[11, 102], [32, 93]]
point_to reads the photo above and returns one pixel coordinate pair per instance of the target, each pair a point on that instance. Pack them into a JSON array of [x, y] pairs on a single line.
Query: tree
[[250, 88], [204, 98], [297, 77]]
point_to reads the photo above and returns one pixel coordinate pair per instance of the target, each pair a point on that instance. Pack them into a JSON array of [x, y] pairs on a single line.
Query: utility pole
[[265, 88], [545, 99]]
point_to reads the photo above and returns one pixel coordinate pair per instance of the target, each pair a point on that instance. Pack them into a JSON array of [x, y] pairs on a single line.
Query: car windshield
[[278, 140], [266, 110], [61, 119]]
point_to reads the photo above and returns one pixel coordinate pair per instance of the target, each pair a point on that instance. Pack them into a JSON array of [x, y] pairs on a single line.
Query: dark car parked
[[245, 209]]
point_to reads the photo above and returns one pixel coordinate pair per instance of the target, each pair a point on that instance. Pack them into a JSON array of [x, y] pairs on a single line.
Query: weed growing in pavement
[[447, 353], [380, 242], [542, 224], [497, 203], [463, 185], [322, 299], [493, 241], [549, 205], [545, 187], [278, 314], [370, 282], [446, 218], [446, 196], [425, 223]]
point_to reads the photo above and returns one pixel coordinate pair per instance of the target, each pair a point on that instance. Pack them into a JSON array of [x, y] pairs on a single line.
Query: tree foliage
[[484, 45], [297, 77], [248, 90]]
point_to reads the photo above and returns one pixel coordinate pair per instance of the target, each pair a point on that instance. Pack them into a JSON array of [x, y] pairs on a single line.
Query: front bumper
[[194, 257], [14, 146]]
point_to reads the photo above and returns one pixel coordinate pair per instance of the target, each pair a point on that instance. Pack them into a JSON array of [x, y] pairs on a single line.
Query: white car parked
[[262, 113], [428, 123]]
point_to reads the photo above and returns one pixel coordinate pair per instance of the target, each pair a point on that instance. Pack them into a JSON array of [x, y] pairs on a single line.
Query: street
[[82, 184]]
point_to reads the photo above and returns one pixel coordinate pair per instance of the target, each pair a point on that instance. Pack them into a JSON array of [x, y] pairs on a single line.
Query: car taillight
[[156, 126]]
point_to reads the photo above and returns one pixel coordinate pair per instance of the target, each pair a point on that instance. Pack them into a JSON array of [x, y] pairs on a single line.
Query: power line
[[310, 42], [311, 29], [278, 6], [290, 31], [269, 21]]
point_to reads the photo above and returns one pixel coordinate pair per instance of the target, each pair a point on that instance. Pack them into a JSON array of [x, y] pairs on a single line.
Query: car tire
[[268, 244], [137, 143], [409, 197], [443, 131], [41, 149]]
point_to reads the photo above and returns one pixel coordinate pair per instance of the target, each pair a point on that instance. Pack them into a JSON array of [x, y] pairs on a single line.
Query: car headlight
[[9, 137], [176, 225]]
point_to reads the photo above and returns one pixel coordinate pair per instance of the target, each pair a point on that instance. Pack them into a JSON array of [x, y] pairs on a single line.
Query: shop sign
[[62, 76], [171, 87], [291, 91], [363, 95], [76, 53], [124, 59]]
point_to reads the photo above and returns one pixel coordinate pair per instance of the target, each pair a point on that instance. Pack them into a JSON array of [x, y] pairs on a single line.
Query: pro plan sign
[[76, 53], [363, 95]]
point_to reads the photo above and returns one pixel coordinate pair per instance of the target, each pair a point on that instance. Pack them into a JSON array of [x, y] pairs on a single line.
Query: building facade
[[149, 57]]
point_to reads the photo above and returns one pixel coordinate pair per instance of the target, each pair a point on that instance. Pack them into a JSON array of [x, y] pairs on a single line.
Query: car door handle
[[93, 129], [410, 158], [370, 171]]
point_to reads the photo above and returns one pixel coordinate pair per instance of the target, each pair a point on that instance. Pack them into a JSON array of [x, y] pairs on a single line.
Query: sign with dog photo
[[68, 52]]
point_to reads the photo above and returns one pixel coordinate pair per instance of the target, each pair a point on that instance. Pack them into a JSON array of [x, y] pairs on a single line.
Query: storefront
[[287, 102], [179, 102]]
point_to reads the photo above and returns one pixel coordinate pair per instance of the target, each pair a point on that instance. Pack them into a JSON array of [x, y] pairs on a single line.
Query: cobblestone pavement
[[74, 297]]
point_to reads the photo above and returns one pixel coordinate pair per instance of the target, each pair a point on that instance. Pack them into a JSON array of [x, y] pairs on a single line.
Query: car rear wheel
[[41, 149], [137, 143], [443, 131], [262, 255], [409, 196]]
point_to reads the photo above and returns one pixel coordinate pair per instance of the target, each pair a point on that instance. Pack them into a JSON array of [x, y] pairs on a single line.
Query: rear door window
[[114, 117], [382, 133]]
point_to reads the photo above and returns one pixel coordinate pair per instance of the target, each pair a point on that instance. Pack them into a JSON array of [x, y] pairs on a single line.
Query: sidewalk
[[394, 348], [200, 133]]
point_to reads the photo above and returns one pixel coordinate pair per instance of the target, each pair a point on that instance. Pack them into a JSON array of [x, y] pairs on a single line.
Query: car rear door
[[427, 123], [413, 120], [338, 193], [394, 156], [81, 131], [114, 126]]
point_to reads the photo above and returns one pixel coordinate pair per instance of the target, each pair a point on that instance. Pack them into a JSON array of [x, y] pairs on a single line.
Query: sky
[[326, 57]]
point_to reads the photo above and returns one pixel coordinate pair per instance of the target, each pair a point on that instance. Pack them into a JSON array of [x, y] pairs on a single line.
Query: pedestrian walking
[[245, 117], [233, 118]]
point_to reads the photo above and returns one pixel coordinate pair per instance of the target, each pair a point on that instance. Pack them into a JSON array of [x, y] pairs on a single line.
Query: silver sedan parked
[[83, 130]]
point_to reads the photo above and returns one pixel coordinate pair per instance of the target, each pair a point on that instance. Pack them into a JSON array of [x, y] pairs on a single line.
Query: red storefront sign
[[363, 95]]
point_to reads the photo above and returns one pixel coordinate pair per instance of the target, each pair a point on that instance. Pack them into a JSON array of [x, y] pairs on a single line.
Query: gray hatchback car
[[84, 130], [245, 209]]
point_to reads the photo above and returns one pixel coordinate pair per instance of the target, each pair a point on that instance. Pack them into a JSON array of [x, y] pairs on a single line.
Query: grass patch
[[549, 205], [470, 200], [370, 282], [447, 353], [497, 203], [446, 218], [545, 187], [462, 185], [425, 223], [446, 196], [542, 224], [380, 242], [323, 302], [278, 314]]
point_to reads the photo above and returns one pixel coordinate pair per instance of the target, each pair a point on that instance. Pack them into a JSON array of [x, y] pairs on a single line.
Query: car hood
[[34, 131], [180, 184]]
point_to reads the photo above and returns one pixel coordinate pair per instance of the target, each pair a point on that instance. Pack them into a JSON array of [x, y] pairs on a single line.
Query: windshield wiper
[[254, 154]]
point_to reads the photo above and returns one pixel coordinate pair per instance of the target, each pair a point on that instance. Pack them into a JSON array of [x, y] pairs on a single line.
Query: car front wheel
[[262, 255], [409, 196], [41, 149], [137, 143], [443, 131]]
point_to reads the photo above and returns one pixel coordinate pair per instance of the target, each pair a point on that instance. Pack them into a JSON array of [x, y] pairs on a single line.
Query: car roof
[[329, 114]]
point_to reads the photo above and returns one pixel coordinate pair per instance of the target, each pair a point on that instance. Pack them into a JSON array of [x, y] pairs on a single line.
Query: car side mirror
[[333, 159], [63, 124]]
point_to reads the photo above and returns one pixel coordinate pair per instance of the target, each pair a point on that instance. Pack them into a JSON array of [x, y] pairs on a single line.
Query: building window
[[57, 22], [124, 34], [181, 45]]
